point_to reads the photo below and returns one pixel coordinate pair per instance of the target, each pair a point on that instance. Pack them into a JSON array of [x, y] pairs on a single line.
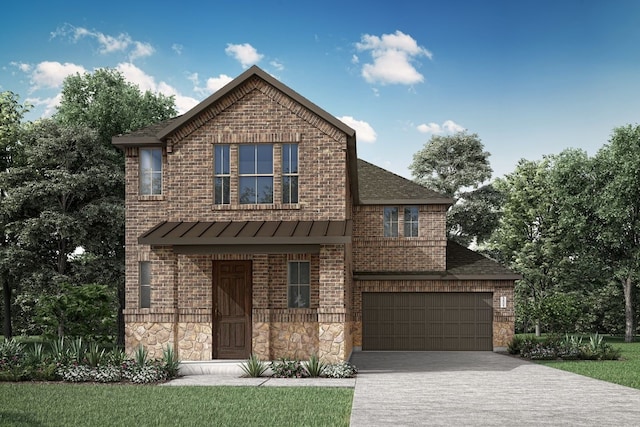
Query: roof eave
[[132, 141], [447, 202], [445, 275]]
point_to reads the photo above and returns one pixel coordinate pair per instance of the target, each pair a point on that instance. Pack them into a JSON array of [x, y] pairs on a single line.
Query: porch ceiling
[[213, 233]]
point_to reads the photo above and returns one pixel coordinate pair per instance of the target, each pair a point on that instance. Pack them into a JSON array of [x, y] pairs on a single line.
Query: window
[[255, 173], [390, 222], [222, 175], [299, 284], [145, 284], [290, 173], [411, 221], [151, 171]]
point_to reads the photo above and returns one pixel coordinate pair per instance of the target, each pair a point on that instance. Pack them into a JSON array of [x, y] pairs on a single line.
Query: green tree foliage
[[528, 234], [87, 311], [456, 166], [11, 115], [618, 213], [105, 102], [60, 199]]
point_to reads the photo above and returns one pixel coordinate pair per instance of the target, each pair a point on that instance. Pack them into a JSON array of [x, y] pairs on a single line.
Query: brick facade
[[255, 111]]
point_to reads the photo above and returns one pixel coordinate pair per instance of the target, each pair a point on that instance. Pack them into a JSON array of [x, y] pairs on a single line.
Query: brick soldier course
[[194, 246]]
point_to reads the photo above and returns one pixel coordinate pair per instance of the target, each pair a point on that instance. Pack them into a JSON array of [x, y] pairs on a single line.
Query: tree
[[456, 166], [105, 102], [527, 235], [11, 115], [618, 213]]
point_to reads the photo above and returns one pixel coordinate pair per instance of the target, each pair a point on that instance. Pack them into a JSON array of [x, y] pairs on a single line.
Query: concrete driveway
[[481, 389]]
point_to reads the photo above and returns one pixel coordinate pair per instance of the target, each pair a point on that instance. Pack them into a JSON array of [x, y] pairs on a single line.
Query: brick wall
[[374, 252], [181, 287]]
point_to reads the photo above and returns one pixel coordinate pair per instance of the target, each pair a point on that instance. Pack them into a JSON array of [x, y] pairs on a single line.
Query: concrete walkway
[[482, 389]]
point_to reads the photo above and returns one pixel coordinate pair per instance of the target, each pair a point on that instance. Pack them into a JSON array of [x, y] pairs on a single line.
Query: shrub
[[171, 364], [285, 368], [75, 373], [340, 370], [12, 357], [107, 374], [314, 367], [515, 345], [253, 367]]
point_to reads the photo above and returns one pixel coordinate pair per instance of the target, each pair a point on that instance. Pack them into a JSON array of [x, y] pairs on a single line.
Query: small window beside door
[[299, 284]]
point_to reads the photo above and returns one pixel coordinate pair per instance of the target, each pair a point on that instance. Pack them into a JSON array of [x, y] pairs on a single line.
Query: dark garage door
[[427, 321]]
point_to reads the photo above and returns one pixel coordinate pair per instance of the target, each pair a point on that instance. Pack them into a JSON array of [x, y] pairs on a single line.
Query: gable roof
[[378, 186], [158, 133]]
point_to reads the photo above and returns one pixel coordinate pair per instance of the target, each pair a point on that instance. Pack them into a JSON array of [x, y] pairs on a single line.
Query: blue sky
[[529, 77]]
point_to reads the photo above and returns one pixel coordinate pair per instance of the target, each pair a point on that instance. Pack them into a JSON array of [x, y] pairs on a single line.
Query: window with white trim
[[222, 175], [411, 221], [299, 284], [390, 221], [150, 171], [290, 173], [145, 284], [255, 173]]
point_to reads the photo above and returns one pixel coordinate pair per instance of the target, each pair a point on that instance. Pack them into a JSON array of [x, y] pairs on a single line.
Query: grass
[[41, 404], [624, 372]]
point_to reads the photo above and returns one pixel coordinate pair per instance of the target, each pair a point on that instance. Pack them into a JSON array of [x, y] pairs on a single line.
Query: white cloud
[[246, 54], [449, 126], [50, 104], [177, 48], [355, 59], [48, 74], [146, 82], [364, 131], [215, 83], [393, 58], [25, 68], [277, 65], [141, 50], [108, 43]]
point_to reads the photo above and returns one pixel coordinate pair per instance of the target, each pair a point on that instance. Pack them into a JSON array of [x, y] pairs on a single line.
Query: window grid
[[145, 284], [411, 216], [290, 173], [390, 222], [299, 284], [222, 175], [150, 171], [255, 173]]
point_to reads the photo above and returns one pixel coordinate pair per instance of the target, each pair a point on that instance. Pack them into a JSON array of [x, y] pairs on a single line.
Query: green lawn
[[625, 372], [29, 404]]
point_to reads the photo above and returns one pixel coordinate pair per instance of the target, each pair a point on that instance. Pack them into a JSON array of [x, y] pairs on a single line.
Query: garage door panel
[[427, 321]]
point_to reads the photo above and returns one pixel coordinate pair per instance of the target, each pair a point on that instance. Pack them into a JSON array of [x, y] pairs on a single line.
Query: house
[[252, 227]]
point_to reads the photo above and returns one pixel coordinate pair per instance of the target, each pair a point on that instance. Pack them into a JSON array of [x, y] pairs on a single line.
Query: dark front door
[[231, 309]]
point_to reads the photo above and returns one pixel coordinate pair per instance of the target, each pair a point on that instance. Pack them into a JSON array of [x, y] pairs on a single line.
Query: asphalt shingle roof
[[379, 186], [464, 261]]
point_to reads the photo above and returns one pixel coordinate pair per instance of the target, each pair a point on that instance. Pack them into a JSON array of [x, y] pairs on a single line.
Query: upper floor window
[[222, 175], [255, 173], [411, 221], [299, 284], [390, 221], [151, 171], [290, 173]]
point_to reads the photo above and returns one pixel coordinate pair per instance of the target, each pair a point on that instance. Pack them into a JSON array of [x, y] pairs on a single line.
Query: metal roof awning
[[243, 233]]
